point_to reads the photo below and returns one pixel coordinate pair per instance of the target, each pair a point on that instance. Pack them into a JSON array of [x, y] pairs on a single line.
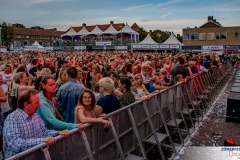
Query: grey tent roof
[[111, 30], [71, 32], [172, 40], [83, 31], [148, 40], [96, 31], [128, 29]]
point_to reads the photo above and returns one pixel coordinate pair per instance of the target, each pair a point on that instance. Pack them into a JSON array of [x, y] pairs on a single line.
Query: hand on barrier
[[80, 126], [106, 123], [104, 116], [49, 140], [64, 133]]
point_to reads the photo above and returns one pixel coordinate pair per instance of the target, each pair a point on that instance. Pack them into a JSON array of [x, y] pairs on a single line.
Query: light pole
[[0, 36], [81, 43], [121, 35]]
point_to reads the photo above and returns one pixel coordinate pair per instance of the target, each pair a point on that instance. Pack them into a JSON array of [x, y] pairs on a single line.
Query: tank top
[[90, 114]]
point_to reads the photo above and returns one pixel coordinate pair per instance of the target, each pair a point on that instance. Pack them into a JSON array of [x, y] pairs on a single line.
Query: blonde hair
[[17, 77], [107, 83], [60, 75], [45, 72]]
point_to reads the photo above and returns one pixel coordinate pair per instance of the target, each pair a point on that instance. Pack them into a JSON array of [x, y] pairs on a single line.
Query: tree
[[179, 38], [142, 34], [7, 34], [18, 25], [37, 27]]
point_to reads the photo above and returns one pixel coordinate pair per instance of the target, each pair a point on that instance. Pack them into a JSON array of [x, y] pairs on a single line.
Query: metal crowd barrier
[[166, 120]]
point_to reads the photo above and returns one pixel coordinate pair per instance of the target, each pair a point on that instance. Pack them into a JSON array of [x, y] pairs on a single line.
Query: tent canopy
[[96, 31], [148, 40], [70, 33], [37, 44], [172, 40], [128, 29], [111, 30], [83, 31]]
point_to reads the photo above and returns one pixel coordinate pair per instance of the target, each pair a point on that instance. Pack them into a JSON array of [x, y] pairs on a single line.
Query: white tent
[[128, 29], [70, 33], [111, 30], [96, 31], [83, 31], [34, 47], [172, 40], [148, 40]]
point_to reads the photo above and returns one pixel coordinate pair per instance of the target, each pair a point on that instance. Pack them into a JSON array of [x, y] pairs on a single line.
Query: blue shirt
[[109, 103], [67, 99], [206, 64], [21, 132], [47, 112]]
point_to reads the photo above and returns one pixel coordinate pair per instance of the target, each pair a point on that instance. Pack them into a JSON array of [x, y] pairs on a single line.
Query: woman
[[18, 86], [5, 105], [7, 75], [125, 87], [62, 78], [140, 85], [81, 77], [96, 76], [108, 103], [85, 110], [47, 111]]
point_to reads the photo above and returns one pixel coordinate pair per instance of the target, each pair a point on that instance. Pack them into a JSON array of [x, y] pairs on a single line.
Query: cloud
[[142, 7], [172, 2], [165, 15]]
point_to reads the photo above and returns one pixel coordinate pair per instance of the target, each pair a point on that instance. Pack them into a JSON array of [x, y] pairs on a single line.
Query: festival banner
[[102, 43]]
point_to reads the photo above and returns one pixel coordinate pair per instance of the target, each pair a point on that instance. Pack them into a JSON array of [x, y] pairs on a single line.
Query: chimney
[[111, 22], [54, 29], [210, 18], [214, 20], [84, 24]]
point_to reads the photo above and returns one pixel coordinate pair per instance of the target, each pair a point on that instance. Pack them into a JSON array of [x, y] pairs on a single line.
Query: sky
[[166, 15]]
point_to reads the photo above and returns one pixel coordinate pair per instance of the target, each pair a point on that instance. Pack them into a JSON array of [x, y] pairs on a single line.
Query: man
[[36, 64], [48, 64], [179, 68], [62, 64], [24, 129], [47, 110], [68, 95]]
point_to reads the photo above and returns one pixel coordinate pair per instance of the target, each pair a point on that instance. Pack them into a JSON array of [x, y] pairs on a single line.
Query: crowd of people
[[50, 93]]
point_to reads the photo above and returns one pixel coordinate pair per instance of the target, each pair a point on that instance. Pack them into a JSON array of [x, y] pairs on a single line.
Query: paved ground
[[213, 127], [214, 123]]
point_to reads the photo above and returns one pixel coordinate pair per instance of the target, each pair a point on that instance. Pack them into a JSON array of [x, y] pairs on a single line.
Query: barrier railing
[[137, 128]]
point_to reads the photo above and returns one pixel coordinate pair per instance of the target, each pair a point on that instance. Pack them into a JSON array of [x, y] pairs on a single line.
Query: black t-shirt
[[109, 103], [179, 69], [88, 79], [33, 70]]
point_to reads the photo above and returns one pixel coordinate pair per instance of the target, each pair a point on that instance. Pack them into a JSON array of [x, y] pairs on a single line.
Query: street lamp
[[121, 34], [0, 36]]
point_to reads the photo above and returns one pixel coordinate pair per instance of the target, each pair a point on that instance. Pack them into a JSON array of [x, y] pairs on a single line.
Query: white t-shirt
[[5, 105], [7, 78]]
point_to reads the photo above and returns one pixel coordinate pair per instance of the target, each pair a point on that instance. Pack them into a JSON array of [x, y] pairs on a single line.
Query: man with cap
[[62, 64]]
